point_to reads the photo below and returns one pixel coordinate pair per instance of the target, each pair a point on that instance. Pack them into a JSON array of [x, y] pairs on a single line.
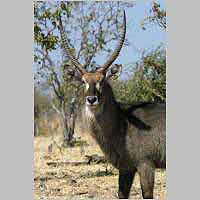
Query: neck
[[105, 124]]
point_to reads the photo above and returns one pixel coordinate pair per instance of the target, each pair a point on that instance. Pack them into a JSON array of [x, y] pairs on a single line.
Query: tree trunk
[[69, 124]]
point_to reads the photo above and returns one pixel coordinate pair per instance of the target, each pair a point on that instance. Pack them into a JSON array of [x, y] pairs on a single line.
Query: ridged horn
[[67, 49], [117, 50]]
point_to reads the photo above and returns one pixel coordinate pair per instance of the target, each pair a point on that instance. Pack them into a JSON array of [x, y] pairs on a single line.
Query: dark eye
[[83, 81]]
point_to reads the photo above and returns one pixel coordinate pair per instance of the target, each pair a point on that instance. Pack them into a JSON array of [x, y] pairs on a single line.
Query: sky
[[138, 38]]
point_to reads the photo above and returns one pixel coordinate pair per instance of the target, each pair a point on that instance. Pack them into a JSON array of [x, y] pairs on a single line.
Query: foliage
[[151, 77], [148, 82], [97, 30], [157, 17], [90, 27]]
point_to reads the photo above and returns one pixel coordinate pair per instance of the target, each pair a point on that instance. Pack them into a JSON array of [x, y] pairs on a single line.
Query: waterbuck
[[133, 140]]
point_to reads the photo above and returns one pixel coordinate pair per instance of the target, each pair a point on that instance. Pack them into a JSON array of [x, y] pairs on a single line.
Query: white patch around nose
[[89, 113]]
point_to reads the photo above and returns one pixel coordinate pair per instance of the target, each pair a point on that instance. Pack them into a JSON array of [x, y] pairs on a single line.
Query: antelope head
[[95, 83]]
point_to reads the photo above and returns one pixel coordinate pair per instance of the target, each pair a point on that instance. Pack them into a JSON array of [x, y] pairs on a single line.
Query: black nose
[[91, 99]]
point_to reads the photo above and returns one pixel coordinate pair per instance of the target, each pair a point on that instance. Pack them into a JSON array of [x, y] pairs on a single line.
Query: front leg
[[125, 182]]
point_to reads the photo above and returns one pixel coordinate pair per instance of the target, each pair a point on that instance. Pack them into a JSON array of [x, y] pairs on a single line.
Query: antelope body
[[132, 141]]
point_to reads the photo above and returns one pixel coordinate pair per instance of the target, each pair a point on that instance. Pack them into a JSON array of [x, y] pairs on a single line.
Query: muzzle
[[92, 100]]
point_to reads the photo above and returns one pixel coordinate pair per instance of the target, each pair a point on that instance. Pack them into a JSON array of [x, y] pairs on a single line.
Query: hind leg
[[146, 172], [125, 182]]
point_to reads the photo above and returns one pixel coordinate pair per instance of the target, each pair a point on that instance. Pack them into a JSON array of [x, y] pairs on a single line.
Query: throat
[[103, 119], [89, 114]]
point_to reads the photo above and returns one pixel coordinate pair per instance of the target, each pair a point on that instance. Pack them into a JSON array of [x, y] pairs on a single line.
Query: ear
[[72, 73], [114, 72]]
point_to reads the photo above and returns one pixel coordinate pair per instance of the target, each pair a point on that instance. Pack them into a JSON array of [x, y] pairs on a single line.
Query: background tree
[[148, 82], [91, 28], [151, 72], [158, 17], [41, 105]]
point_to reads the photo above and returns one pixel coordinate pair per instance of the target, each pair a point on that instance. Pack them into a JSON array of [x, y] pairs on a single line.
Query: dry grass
[[79, 182]]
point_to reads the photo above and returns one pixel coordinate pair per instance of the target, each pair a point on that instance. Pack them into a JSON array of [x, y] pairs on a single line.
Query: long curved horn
[[117, 50], [66, 47]]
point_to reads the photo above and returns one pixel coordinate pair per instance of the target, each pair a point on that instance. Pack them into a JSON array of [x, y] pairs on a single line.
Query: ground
[[55, 178]]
